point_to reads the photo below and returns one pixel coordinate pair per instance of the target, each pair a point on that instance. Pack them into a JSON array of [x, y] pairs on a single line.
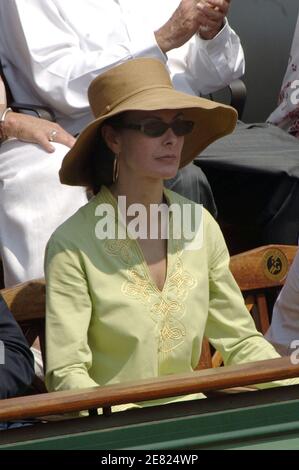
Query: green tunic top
[[108, 323]]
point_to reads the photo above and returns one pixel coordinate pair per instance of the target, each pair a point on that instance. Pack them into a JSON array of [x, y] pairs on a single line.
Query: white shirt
[[53, 49]]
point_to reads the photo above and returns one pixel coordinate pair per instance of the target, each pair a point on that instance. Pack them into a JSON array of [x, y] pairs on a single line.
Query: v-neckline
[[138, 249], [146, 268]]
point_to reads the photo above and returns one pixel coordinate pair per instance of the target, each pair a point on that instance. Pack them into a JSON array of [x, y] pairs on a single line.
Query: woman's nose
[[169, 137]]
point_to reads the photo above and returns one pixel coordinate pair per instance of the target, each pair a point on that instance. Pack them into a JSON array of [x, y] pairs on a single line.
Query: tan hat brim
[[212, 121]]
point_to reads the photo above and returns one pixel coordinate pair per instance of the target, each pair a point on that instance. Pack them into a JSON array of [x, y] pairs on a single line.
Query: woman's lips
[[167, 157]]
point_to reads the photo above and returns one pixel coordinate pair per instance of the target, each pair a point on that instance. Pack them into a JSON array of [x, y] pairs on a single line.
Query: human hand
[[182, 25], [38, 131], [212, 15]]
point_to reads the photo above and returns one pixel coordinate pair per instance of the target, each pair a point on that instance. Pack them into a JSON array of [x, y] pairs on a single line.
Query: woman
[[121, 308]]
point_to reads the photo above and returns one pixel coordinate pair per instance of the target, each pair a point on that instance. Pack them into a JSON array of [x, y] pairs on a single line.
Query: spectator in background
[[286, 115], [54, 62], [16, 360], [284, 329], [33, 202], [254, 172]]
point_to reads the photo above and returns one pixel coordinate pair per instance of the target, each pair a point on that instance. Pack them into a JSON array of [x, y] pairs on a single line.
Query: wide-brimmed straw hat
[[143, 85]]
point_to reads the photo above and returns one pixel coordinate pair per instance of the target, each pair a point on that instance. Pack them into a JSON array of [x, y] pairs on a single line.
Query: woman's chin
[[169, 176], [164, 174]]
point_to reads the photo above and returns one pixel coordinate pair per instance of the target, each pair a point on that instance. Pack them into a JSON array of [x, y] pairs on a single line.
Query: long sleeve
[[16, 360], [230, 327], [72, 42], [216, 63], [69, 45], [68, 317]]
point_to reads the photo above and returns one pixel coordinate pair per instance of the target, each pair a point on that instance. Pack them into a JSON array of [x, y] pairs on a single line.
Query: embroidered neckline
[[167, 306]]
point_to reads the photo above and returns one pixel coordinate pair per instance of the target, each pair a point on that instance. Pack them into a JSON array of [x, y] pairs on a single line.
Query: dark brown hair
[[102, 159]]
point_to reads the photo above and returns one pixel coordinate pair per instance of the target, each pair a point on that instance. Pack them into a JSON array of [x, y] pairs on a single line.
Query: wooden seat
[[27, 304], [258, 272]]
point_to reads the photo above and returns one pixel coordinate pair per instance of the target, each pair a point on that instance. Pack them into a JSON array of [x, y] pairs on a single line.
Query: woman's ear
[[111, 138]]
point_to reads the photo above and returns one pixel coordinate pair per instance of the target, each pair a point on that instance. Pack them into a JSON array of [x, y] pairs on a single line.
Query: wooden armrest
[[26, 301], [251, 269], [164, 387]]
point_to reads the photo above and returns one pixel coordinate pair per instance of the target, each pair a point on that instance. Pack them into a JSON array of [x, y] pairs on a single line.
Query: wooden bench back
[[257, 272], [27, 304]]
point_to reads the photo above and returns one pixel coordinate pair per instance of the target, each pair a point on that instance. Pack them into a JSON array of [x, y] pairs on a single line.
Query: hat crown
[[128, 79]]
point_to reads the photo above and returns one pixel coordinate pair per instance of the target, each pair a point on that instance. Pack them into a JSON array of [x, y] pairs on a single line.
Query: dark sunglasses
[[156, 127]]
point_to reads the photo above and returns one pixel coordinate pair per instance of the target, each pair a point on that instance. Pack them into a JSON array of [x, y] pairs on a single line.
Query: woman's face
[[144, 155]]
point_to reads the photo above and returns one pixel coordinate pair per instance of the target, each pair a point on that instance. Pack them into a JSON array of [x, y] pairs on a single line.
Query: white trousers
[[33, 203]]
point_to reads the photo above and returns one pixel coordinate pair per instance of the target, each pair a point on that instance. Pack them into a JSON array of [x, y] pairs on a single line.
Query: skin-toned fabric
[[107, 322]]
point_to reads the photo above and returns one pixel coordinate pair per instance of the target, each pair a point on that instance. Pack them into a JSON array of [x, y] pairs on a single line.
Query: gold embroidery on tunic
[[170, 308], [119, 248], [181, 281], [138, 287]]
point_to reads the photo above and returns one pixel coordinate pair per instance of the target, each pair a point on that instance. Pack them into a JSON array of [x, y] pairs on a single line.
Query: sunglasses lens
[[182, 127], [155, 128]]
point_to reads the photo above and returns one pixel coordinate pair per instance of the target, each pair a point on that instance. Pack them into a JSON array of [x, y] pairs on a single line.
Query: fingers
[[217, 5], [65, 138], [212, 13], [37, 131], [43, 141], [57, 135]]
